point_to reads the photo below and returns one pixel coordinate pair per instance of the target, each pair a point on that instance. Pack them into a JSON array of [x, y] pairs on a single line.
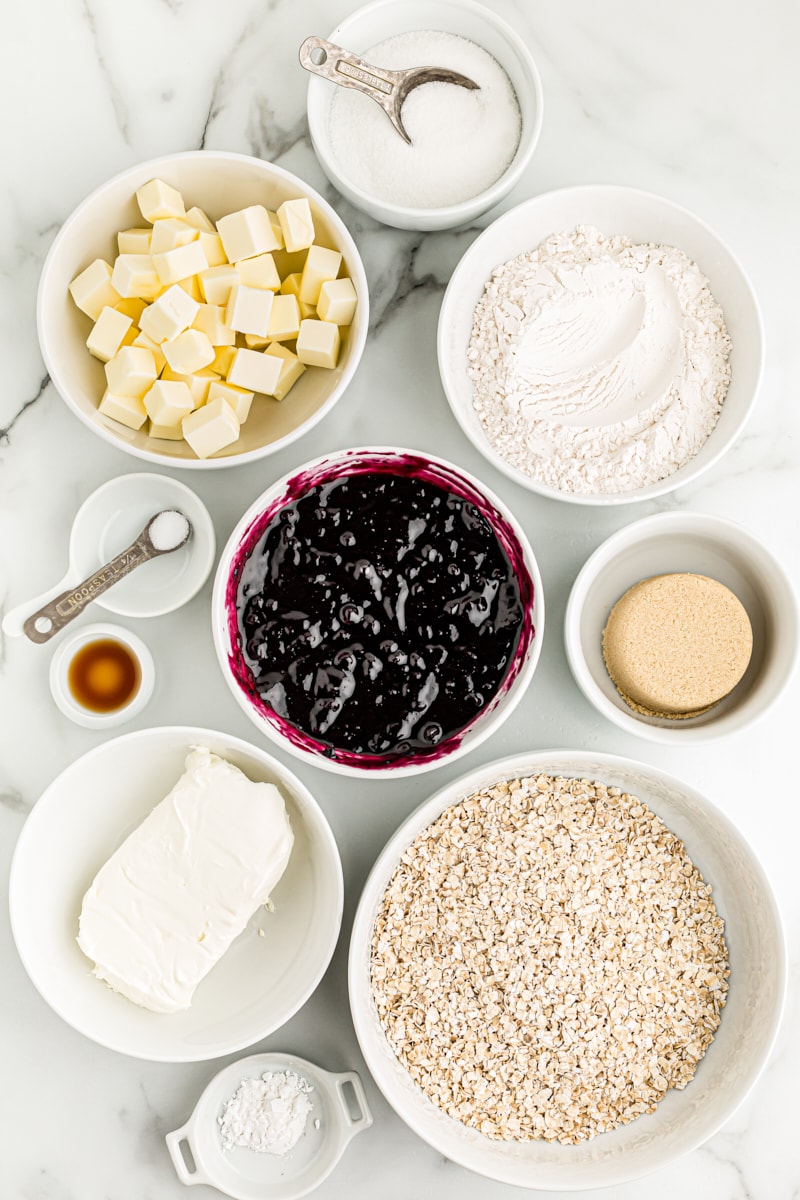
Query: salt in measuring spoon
[[387, 88], [166, 531]]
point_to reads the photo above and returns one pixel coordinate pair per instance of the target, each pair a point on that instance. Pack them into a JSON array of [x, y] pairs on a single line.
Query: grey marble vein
[[26, 404], [14, 801], [114, 94]]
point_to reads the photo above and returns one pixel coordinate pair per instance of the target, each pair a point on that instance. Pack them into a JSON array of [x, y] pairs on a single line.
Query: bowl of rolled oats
[[566, 970]]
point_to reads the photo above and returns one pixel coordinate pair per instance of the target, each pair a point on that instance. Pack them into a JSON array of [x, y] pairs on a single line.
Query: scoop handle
[[174, 1140], [58, 612], [346, 69]]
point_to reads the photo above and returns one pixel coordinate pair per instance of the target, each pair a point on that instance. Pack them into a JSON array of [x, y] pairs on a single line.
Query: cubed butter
[[107, 334], [133, 307], [157, 199], [198, 383], [337, 301], [131, 372], [93, 289], [210, 320], [169, 232], [248, 310], [167, 402], [190, 351], [222, 359], [192, 288], [255, 342], [255, 371], [291, 287], [171, 433], [136, 275], [169, 315], [195, 216], [297, 224], [141, 339], [247, 232], [180, 263], [216, 283], [238, 398], [321, 265], [284, 319], [134, 241], [211, 428], [259, 272], [213, 248], [318, 343], [128, 410], [291, 369]]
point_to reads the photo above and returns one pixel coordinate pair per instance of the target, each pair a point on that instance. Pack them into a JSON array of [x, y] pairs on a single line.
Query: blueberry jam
[[378, 614]]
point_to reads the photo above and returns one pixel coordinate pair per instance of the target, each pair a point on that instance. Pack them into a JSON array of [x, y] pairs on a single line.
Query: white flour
[[598, 365], [267, 1115]]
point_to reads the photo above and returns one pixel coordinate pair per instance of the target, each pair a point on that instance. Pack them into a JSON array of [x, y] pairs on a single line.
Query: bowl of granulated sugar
[[468, 147], [600, 345]]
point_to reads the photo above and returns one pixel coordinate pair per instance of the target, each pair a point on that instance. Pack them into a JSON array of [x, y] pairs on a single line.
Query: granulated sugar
[[598, 364]]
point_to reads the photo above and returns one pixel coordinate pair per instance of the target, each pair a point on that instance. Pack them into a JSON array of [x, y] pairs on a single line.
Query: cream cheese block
[[169, 902]]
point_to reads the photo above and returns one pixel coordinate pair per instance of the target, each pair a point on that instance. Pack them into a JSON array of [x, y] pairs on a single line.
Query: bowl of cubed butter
[[203, 309]]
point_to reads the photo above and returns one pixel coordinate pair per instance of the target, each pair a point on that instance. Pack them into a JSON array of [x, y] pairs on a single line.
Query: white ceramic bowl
[[227, 639], [81, 819], [704, 545], [59, 676], [642, 217], [732, 1063], [383, 19], [219, 183]]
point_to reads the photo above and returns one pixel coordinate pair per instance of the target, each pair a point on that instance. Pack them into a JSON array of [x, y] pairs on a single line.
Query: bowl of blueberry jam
[[378, 611]]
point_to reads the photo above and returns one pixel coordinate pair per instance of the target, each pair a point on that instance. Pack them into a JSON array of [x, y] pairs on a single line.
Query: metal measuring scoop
[[57, 613], [387, 88]]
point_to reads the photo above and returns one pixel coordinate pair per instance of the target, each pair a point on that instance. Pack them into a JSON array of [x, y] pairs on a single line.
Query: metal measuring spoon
[[387, 88], [57, 613]]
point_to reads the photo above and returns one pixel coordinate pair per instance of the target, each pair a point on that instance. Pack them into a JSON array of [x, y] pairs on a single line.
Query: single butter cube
[[93, 289], [318, 343], [198, 383], [136, 275], [291, 287], [107, 333], [247, 232], [239, 399], [223, 359], [291, 369], [190, 351], [168, 402], [195, 216], [284, 319], [213, 249], [259, 272], [216, 283], [130, 337], [157, 199], [210, 320], [171, 433], [211, 428], [337, 301], [192, 288], [297, 224], [248, 310], [321, 265], [169, 315], [133, 307], [128, 410], [181, 262], [134, 241], [255, 371], [277, 231], [131, 371], [170, 232], [141, 339], [254, 342]]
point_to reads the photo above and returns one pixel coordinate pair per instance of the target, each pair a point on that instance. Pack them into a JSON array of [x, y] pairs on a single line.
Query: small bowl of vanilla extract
[[102, 675]]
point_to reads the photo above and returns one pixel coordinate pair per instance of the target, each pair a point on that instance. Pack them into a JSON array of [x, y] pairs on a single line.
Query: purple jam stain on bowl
[[389, 704]]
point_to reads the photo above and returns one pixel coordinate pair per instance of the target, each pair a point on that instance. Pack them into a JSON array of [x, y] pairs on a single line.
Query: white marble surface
[[695, 99]]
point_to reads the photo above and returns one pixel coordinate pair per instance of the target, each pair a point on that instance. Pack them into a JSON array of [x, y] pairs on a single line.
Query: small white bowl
[[245, 536], [642, 217], [219, 183], [59, 676], [81, 819], [383, 19], [705, 545], [733, 1061], [247, 1175]]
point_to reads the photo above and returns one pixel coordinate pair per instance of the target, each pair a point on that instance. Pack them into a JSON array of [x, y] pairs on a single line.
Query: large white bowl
[[701, 544], [245, 536], [642, 217], [219, 183], [81, 819], [385, 19], [732, 1063]]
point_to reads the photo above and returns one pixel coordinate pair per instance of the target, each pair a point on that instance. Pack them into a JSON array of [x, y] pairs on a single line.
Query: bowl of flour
[[600, 345]]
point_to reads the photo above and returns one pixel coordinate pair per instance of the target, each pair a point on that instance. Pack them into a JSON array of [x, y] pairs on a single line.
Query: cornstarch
[[268, 1115], [598, 364]]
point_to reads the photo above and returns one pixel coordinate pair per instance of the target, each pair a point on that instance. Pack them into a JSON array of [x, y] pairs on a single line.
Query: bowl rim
[[452, 214], [357, 274], [687, 473], [630, 535], [203, 734], [527, 762], [474, 734]]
